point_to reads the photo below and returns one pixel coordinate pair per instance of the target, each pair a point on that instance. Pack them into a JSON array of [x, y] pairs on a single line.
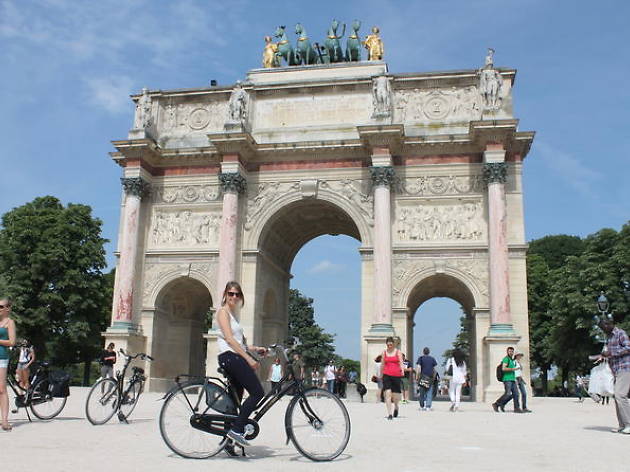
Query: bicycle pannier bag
[[59, 384], [219, 400]]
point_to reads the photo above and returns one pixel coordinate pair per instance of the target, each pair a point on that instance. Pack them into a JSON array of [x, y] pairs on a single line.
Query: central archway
[[284, 234]]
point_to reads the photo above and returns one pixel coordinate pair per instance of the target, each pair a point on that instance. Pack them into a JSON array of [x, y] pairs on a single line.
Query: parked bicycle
[[47, 395], [109, 395], [198, 413]]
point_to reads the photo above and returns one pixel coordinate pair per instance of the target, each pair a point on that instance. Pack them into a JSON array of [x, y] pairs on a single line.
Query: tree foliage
[[316, 346], [52, 258], [563, 290], [462, 340]]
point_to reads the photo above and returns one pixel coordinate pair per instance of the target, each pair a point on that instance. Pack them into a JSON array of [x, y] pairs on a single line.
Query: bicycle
[[198, 413], [108, 395], [39, 396]]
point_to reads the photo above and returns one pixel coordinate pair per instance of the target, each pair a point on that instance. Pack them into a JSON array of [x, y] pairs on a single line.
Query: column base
[[118, 327], [381, 329], [501, 329]]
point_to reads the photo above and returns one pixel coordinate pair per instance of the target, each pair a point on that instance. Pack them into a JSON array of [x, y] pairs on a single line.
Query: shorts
[[391, 383], [405, 383], [22, 366], [4, 363]]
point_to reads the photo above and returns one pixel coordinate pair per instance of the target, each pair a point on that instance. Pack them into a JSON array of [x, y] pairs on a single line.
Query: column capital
[[382, 175], [135, 186], [232, 182], [495, 172]]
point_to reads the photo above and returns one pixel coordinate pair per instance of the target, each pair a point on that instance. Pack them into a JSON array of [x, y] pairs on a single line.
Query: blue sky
[[69, 67]]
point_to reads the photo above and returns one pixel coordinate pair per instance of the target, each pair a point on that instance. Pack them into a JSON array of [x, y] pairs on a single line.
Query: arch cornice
[[158, 276], [253, 235], [415, 277]]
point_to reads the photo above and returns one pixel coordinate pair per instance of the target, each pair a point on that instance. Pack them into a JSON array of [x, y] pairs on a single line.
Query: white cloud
[[325, 266], [110, 93], [569, 168]]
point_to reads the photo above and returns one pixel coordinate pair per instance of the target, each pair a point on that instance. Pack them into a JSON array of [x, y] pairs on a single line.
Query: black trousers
[[242, 376]]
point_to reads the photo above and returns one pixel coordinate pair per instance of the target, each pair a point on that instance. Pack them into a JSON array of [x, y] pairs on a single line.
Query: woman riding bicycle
[[234, 359]]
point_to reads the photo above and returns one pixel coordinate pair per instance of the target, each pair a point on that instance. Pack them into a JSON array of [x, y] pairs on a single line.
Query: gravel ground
[[560, 435]]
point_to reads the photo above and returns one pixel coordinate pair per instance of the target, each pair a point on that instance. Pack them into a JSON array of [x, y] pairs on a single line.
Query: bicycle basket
[[219, 400], [137, 370]]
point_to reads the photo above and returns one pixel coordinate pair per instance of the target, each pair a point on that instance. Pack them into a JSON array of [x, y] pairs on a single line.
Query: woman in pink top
[[392, 372]]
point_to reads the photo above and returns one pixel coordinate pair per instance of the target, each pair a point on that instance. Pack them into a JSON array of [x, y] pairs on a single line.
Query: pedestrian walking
[[520, 381], [341, 380], [426, 374], [406, 378], [617, 352], [392, 372], [108, 359], [509, 383], [26, 357], [7, 340], [457, 365], [275, 375], [330, 372]]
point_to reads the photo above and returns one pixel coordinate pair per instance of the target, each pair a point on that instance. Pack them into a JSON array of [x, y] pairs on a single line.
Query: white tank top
[[237, 332], [25, 355]]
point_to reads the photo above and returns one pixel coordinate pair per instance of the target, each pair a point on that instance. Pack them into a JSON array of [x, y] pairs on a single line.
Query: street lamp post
[[602, 305]]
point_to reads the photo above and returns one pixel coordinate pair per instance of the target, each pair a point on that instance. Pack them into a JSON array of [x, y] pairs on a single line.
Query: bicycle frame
[[25, 396]]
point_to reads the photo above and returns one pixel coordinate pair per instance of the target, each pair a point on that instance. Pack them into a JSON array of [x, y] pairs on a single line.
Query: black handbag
[[425, 381]]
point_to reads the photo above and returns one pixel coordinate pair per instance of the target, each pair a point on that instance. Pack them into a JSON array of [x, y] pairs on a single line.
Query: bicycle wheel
[[318, 424], [178, 434], [43, 404], [130, 398], [102, 401]]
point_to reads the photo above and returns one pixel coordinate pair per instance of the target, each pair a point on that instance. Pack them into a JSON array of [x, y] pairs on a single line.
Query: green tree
[[556, 248], [52, 258], [316, 346], [538, 296]]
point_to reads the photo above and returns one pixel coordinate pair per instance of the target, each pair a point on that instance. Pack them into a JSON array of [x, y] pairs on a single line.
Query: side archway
[[179, 323]]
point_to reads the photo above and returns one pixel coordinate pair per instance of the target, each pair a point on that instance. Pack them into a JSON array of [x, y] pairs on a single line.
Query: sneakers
[[390, 417], [452, 408], [616, 430], [525, 410], [495, 407], [396, 413], [518, 410], [238, 438]]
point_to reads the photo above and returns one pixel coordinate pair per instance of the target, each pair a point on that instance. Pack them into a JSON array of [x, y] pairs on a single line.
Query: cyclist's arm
[[226, 329]]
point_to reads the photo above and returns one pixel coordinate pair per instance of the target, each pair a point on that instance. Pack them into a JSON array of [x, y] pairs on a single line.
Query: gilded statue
[[374, 44], [269, 57]]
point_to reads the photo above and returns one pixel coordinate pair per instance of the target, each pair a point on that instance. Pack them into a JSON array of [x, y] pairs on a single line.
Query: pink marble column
[[500, 316], [232, 184], [135, 188], [382, 177]]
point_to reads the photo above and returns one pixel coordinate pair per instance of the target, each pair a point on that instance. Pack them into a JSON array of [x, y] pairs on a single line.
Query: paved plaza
[[561, 435]]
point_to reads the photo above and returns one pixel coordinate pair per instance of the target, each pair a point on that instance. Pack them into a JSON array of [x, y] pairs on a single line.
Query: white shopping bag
[[602, 380]]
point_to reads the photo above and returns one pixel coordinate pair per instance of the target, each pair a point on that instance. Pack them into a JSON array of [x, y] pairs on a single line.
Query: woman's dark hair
[[459, 357], [390, 339], [379, 358], [111, 346], [232, 284]]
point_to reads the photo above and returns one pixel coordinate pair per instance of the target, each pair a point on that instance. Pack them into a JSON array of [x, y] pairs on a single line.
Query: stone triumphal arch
[[225, 183]]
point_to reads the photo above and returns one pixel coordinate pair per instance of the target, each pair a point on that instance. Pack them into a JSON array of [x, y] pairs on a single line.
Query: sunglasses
[[4, 306], [234, 294]]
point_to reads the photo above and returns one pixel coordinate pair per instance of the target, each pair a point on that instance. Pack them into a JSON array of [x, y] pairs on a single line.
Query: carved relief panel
[[176, 194], [184, 229], [443, 105], [179, 118], [436, 185], [461, 221]]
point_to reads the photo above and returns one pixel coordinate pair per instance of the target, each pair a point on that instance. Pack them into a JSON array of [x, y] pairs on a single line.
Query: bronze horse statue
[[285, 50], [305, 52]]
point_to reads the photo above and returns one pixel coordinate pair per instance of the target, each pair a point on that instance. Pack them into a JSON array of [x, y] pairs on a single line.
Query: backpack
[[500, 371]]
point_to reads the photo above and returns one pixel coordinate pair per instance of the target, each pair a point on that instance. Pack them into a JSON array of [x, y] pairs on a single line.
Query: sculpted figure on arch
[[374, 44], [269, 58]]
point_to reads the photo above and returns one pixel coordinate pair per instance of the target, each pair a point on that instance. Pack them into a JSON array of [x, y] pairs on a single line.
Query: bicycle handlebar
[[141, 355]]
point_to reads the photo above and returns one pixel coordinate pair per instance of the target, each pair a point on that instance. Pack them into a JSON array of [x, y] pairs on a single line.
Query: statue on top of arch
[[329, 51], [490, 83]]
